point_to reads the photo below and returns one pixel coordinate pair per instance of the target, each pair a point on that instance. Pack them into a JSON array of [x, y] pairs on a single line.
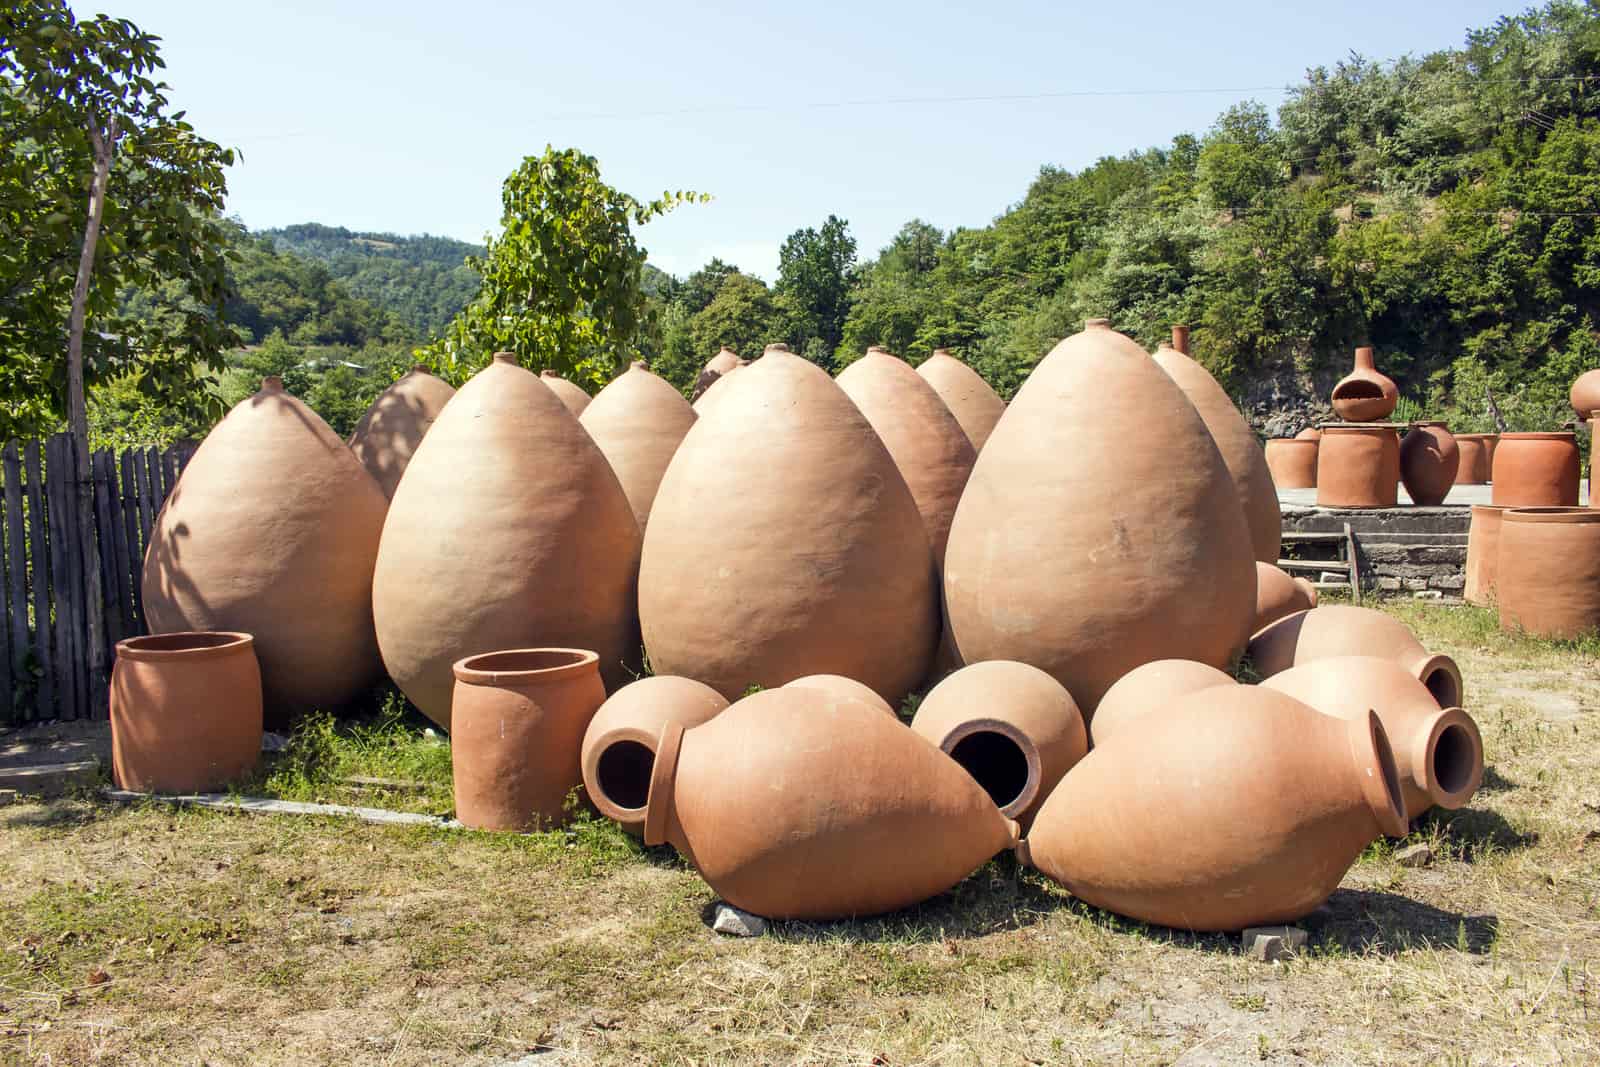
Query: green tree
[[742, 316], [815, 270]]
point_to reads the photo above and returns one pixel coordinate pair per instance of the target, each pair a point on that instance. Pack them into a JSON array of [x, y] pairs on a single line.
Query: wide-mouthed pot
[[1358, 466], [1547, 574]]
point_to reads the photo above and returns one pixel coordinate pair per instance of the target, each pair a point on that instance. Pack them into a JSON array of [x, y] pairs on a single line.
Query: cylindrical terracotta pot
[[1536, 470], [1483, 554], [1585, 395], [1012, 726], [1244, 809], [1477, 452], [572, 396], [1293, 462], [1346, 630], [1278, 593], [1547, 578], [638, 422], [394, 425], [1358, 466], [185, 711], [976, 406], [1310, 433], [845, 688], [1364, 395], [1150, 689], [1429, 457], [1437, 751], [796, 804], [516, 733], [619, 747], [725, 360]]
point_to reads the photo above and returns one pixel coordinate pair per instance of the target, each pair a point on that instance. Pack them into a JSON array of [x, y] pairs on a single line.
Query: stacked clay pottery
[[838, 685], [619, 748], [1012, 726], [393, 426], [1235, 440], [1292, 462], [1080, 546], [1278, 593], [724, 361], [1547, 578], [1310, 433], [1585, 395], [516, 730], [1244, 809], [1149, 689], [509, 530], [1345, 630], [1483, 554], [1429, 457], [272, 531], [708, 397], [795, 804], [1536, 470], [1364, 395], [572, 396], [783, 542], [1358, 466], [976, 406], [1477, 454], [185, 712], [1438, 752], [638, 421]]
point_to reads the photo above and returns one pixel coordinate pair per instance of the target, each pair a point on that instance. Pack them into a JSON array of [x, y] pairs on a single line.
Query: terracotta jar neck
[[1364, 359], [505, 357], [1180, 339]]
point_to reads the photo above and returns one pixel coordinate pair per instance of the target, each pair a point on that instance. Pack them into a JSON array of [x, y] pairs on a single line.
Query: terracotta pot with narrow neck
[[796, 804], [1148, 690], [1536, 470], [517, 729], [837, 685], [1365, 395], [1429, 457], [1279, 593], [1477, 452], [185, 712], [1358, 466], [1547, 578], [394, 425], [1012, 726], [724, 361], [1585, 395], [1245, 808], [1346, 630], [638, 422], [1292, 462], [1483, 554], [975, 405]]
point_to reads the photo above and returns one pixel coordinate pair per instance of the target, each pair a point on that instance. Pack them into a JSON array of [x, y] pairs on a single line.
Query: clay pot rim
[[1496, 508], [482, 668], [1029, 792], [591, 772], [1541, 435], [1357, 427], [1553, 515], [1457, 724], [1429, 422], [208, 644], [1474, 436], [1442, 676], [1312, 441], [1380, 777]]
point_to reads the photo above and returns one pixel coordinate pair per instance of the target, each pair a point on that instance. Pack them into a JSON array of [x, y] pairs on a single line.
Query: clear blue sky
[[406, 115]]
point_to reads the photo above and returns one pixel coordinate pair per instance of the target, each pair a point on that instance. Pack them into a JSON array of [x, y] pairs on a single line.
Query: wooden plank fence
[[44, 638]]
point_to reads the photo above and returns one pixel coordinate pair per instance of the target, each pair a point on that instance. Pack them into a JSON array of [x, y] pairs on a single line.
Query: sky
[[405, 116]]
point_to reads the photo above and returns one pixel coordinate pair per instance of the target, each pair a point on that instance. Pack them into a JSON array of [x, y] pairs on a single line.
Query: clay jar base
[[1358, 466]]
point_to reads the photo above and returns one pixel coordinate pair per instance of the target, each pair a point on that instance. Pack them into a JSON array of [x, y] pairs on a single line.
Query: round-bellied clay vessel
[[783, 542], [975, 405], [1079, 546], [725, 360], [1292, 462], [840, 686], [1585, 395], [271, 531], [1012, 726], [638, 421], [388, 434], [572, 396], [1278, 593], [1358, 466], [509, 530], [1245, 809], [797, 804], [1364, 395], [1547, 574], [619, 748], [1536, 470], [1476, 452], [1310, 433], [516, 730], [1346, 630], [1483, 554], [185, 712], [1429, 457], [1149, 689]]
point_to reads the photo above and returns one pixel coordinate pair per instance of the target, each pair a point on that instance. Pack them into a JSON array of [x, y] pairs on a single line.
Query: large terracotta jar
[[1310, 433], [1483, 554], [638, 421], [708, 396], [388, 434], [838, 685], [1086, 543], [1364, 395], [1547, 578], [725, 360], [1476, 450], [572, 396], [272, 530], [1429, 457], [1244, 809], [185, 712], [1150, 689], [1292, 461], [783, 542], [975, 405], [1585, 395], [516, 732], [1358, 466], [1346, 630], [1536, 470], [509, 530], [1278, 593], [1012, 726], [795, 804], [1241, 452]]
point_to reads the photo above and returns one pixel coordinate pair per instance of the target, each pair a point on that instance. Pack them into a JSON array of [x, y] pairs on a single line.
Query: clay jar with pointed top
[[1292, 462], [1346, 630], [1364, 395], [1012, 726], [1585, 395], [783, 542], [1147, 690], [185, 712], [1279, 593], [1547, 575], [709, 395], [796, 804], [571, 395], [1080, 546], [1358, 466], [1536, 470], [272, 531], [1438, 753], [838, 685], [388, 434], [1429, 458], [1241, 452], [1476, 452], [509, 530], [1245, 809], [638, 421], [1483, 554], [619, 748], [724, 361], [975, 405]]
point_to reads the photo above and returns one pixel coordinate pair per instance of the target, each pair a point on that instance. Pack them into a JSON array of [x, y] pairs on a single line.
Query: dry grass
[[228, 939]]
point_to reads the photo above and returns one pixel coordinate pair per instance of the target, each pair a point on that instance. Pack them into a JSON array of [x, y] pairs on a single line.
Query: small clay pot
[[1547, 578], [1536, 470], [1585, 395], [1364, 395], [1358, 466], [572, 396], [1148, 689], [1483, 554], [1278, 593], [185, 711], [517, 723], [1429, 458], [976, 406], [1477, 454], [395, 424], [1293, 462], [1346, 630], [838, 685]]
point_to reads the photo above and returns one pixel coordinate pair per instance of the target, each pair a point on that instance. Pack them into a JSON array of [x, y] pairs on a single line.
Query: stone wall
[[1403, 550]]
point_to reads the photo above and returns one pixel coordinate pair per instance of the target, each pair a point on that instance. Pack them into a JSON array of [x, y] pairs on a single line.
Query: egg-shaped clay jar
[[571, 395], [840, 686], [975, 405], [1148, 689], [389, 433], [1279, 593], [1346, 630], [638, 421], [725, 360]]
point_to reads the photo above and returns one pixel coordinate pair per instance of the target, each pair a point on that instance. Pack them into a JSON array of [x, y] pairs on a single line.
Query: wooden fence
[[44, 671]]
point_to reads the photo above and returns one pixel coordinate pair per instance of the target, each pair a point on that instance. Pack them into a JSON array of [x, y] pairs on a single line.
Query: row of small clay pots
[[1540, 567]]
